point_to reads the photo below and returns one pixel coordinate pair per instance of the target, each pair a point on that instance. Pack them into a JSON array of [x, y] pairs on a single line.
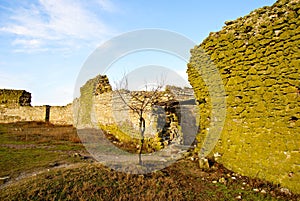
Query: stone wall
[[180, 94], [15, 105], [258, 58], [121, 107], [99, 105], [22, 113], [13, 98], [110, 109], [62, 115]]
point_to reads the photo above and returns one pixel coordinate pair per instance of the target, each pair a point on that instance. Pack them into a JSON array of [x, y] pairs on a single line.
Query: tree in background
[[138, 103]]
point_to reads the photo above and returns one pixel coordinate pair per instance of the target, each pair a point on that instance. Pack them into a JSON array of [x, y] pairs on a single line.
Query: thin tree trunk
[[142, 132]]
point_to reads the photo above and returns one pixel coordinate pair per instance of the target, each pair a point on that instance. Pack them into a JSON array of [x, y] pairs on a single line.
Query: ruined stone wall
[[97, 104], [22, 113], [62, 115], [14, 98], [258, 58], [15, 105], [181, 94], [120, 107], [110, 108]]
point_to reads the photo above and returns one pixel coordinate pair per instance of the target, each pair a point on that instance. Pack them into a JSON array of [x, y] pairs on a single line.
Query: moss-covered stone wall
[[258, 58], [11, 97]]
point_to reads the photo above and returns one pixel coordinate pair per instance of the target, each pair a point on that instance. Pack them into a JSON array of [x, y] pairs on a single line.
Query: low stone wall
[[62, 115], [22, 113]]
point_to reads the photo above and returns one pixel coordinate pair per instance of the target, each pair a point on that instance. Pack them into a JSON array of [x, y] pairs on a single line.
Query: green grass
[[14, 161], [26, 147]]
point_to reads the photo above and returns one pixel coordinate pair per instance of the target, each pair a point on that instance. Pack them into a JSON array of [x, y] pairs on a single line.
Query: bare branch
[[155, 93], [125, 102]]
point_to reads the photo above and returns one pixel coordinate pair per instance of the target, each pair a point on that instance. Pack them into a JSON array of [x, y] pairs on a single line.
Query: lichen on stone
[[261, 74]]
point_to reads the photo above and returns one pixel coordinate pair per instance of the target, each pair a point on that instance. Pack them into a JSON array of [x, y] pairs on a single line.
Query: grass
[[181, 181], [36, 145], [30, 147]]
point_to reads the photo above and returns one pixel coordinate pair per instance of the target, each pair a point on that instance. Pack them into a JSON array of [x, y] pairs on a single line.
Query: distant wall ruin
[[13, 98], [104, 106], [62, 115]]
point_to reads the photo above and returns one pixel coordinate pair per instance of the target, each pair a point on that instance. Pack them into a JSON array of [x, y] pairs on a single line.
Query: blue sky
[[44, 43]]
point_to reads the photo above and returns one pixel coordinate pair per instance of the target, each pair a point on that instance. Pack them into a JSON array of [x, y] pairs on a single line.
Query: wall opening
[[47, 115]]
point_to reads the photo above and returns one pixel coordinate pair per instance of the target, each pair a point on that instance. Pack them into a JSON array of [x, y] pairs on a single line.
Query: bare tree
[[139, 102]]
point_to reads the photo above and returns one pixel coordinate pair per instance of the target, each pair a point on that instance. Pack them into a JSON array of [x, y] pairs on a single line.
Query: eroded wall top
[[11, 97]]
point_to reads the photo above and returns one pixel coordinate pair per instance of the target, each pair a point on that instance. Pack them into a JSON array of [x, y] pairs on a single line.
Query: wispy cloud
[[27, 43], [58, 23], [107, 5]]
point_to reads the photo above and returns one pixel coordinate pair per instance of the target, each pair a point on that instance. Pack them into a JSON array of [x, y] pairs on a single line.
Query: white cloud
[[33, 43], [58, 23]]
